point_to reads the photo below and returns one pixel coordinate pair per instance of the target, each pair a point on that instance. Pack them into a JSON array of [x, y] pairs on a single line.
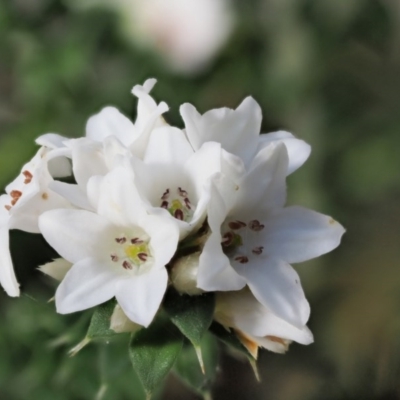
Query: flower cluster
[[133, 208]]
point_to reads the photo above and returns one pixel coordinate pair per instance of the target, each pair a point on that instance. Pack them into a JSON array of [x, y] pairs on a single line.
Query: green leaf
[[153, 352], [188, 370], [191, 314], [99, 327], [229, 338]]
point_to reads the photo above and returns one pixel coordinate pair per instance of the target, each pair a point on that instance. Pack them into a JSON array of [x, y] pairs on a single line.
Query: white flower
[[26, 198], [188, 34], [260, 238], [174, 179], [255, 325], [238, 131], [119, 251]]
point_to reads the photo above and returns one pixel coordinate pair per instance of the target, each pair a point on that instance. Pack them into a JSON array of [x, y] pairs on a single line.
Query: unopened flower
[[255, 324]]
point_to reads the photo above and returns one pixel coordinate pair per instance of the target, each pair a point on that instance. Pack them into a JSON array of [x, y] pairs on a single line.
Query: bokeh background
[[326, 70]]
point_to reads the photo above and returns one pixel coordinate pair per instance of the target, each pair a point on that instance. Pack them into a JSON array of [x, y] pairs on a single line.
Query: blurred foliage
[[328, 71]]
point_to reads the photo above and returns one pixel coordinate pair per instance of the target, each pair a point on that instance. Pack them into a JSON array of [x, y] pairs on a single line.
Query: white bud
[[121, 323], [184, 274]]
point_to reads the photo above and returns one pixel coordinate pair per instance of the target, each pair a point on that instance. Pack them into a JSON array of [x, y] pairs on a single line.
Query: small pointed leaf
[[229, 338], [187, 367], [153, 352], [191, 314], [99, 327]]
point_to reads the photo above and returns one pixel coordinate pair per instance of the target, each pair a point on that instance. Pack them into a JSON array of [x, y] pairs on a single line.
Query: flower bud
[[121, 323], [184, 274]]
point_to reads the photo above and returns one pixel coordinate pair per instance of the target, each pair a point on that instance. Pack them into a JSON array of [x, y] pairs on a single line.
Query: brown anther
[[28, 177], [16, 194], [8, 208], [227, 239], [258, 250], [165, 195], [236, 225], [178, 214], [242, 259], [127, 265], [14, 202], [187, 203], [136, 241], [256, 226], [164, 204], [142, 256], [114, 257], [182, 193], [121, 240], [45, 196]]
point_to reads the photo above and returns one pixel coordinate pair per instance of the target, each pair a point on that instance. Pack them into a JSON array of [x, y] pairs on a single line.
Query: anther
[[16, 194], [120, 240], [164, 204], [242, 259], [227, 239], [114, 257], [165, 195], [182, 193], [14, 201], [187, 203], [28, 177], [136, 241], [258, 250], [8, 208], [256, 226], [178, 214], [127, 265], [236, 225], [142, 256]]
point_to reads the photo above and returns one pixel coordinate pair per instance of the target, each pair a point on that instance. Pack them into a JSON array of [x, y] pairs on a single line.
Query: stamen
[[165, 195], [136, 241], [256, 226], [236, 225], [28, 177], [164, 204], [178, 214], [127, 265], [142, 256], [258, 250], [14, 202], [182, 193], [242, 259], [187, 203], [114, 257], [8, 208], [120, 240]]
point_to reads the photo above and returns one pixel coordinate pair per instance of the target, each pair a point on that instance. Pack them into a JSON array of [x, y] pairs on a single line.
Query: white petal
[[87, 284], [164, 234], [57, 269], [298, 150], [236, 130], [72, 193], [140, 296], [277, 286], [110, 122], [7, 274], [51, 140], [264, 187], [74, 234], [168, 145], [296, 234]]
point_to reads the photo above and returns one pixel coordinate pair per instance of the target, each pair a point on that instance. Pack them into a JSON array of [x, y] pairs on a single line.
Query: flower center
[[179, 206], [240, 240], [130, 252]]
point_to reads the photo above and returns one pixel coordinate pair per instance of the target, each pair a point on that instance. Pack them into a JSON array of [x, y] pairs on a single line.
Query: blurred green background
[[326, 70]]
